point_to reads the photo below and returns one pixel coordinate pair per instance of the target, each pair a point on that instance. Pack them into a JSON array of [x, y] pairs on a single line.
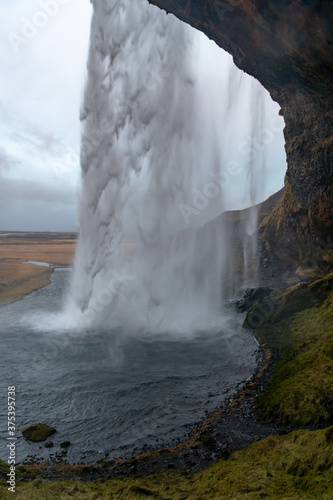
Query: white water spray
[[158, 155]]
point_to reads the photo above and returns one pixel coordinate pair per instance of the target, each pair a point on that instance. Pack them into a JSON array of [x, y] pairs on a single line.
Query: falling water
[[158, 160]]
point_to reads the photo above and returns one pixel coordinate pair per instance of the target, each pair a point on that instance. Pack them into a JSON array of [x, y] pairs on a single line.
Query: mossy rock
[[281, 305], [252, 296], [4, 469], [38, 432], [301, 297], [208, 442], [300, 391]]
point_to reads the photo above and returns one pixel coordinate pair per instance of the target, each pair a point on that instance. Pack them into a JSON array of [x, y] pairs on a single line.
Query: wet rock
[[208, 442], [49, 444], [65, 444], [85, 471], [38, 432], [282, 304], [251, 296]]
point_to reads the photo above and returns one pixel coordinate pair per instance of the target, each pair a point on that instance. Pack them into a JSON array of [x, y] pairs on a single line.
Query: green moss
[[297, 465], [282, 304], [38, 432], [274, 229], [300, 297], [288, 201], [301, 331], [298, 324], [250, 319], [324, 143], [292, 145], [4, 467]]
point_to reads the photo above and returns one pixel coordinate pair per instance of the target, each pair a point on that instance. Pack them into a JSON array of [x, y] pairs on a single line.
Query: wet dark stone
[[251, 296]]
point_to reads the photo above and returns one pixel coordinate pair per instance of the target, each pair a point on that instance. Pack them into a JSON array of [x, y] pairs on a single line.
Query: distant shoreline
[[56, 235], [19, 278]]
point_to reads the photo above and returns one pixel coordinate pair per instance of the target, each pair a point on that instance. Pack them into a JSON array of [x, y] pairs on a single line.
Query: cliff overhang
[[288, 47]]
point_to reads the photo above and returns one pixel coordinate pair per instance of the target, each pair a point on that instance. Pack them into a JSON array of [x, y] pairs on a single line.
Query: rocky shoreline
[[232, 427], [289, 395]]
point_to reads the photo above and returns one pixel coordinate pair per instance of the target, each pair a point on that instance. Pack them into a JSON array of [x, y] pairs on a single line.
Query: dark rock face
[[279, 305], [288, 47], [252, 296]]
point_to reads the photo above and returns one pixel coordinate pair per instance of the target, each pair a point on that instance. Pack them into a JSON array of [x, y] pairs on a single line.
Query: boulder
[[251, 296], [38, 432]]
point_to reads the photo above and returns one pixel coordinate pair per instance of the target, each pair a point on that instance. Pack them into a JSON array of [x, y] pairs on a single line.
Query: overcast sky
[[43, 52]]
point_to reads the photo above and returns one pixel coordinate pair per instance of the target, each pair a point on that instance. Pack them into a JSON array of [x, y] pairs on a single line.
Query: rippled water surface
[[106, 391]]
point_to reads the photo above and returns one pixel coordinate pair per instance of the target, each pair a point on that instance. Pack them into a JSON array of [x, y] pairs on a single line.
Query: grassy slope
[[297, 465], [301, 389], [293, 466]]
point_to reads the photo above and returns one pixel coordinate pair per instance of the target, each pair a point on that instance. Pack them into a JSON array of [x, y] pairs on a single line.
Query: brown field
[[18, 279]]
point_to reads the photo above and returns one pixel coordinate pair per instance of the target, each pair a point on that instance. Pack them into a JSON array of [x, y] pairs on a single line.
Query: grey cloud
[[32, 136], [26, 191], [6, 161], [4, 115], [29, 206]]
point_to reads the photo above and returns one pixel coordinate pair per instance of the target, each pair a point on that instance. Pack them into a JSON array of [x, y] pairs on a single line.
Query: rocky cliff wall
[[288, 47]]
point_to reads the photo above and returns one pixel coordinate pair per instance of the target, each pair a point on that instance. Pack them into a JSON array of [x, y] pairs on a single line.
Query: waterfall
[[158, 159]]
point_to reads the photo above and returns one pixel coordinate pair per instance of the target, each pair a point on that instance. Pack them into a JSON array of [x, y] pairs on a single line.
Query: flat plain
[[17, 278]]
